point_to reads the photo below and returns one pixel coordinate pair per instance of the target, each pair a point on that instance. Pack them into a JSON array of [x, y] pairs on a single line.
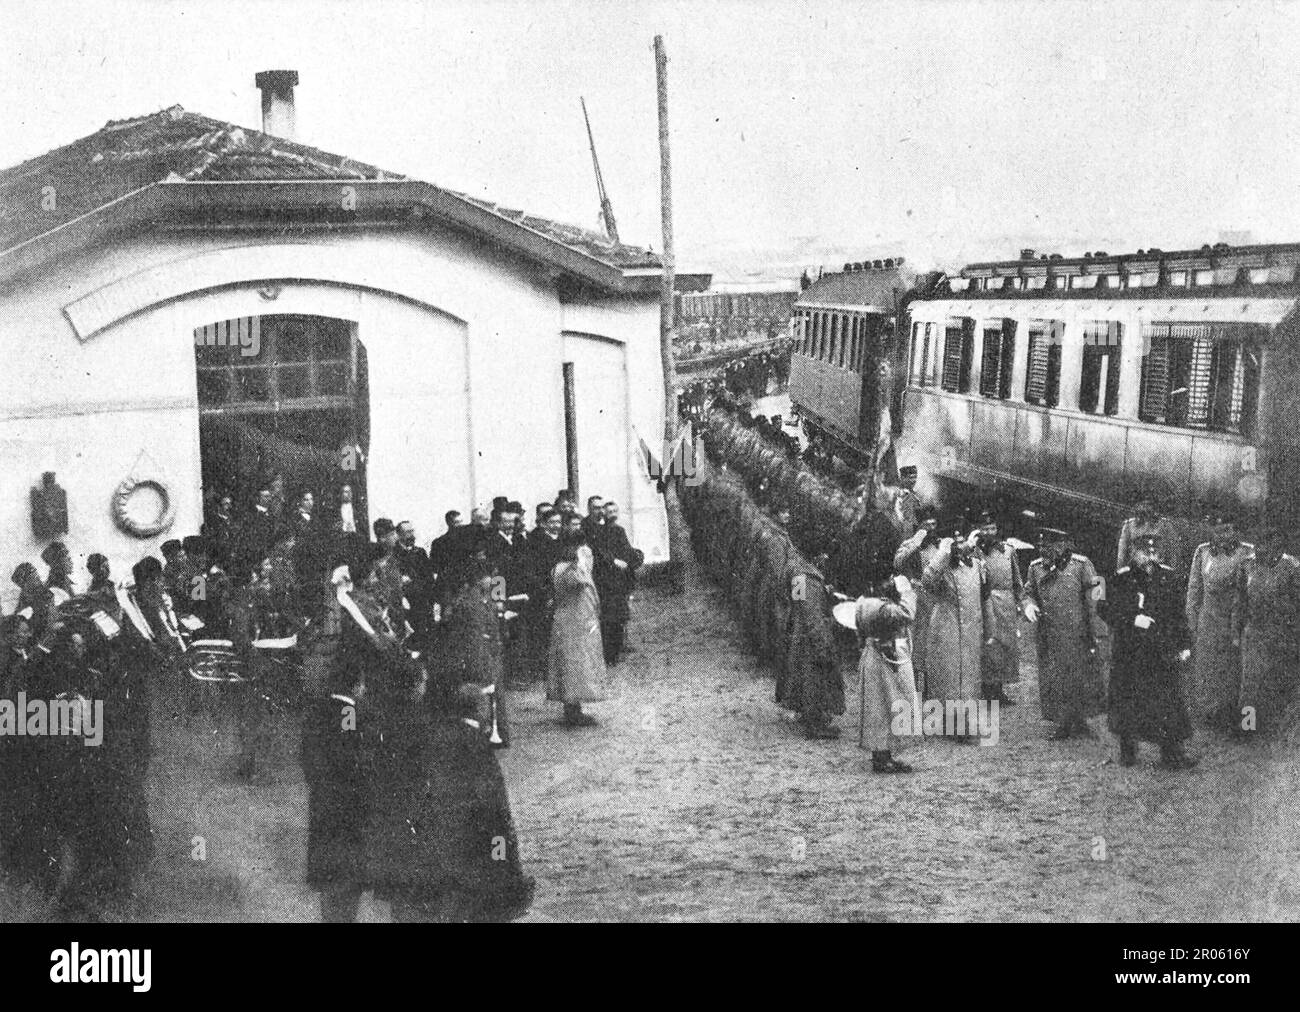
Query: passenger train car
[[1082, 383], [845, 329]]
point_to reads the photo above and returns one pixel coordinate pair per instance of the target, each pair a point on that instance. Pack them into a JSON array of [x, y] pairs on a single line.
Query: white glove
[[1185, 655], [972, 539], [945, 546], [1031, 611]]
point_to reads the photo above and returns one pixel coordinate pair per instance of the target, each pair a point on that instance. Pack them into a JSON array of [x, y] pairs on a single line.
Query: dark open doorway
[[283, 394]]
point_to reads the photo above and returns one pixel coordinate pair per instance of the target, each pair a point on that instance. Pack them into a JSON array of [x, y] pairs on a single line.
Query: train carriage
[[1083, 382], [845, 329]]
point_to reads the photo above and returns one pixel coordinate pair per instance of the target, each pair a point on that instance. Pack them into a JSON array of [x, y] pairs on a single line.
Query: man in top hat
[[1147, 522], [1059, 598], [1000, 660], [1144, 609], [1214, 605]]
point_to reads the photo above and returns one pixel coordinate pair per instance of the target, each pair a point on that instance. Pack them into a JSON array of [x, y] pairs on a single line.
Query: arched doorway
[[283, 394]]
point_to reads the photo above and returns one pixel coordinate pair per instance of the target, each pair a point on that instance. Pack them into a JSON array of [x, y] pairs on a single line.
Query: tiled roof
[[174, 145]]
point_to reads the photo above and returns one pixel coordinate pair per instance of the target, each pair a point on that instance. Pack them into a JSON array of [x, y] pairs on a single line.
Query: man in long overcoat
[[811, 684], [1214, 603], [1144, 609], [1060, 590], [955, 634]]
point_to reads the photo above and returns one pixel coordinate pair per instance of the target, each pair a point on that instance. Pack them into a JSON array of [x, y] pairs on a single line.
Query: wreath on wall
[[135, 514]]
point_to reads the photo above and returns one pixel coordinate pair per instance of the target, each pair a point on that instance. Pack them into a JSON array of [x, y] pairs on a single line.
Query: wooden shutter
[[952, 357], [1008, 358], [1155, 374], [1036, 371], [991, 360]]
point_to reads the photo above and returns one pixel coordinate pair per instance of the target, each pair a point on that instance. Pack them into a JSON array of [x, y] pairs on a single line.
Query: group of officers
[[1163, 645]]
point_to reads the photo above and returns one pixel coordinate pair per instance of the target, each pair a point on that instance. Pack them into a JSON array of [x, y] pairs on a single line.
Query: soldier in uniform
[[1059, 592], [1000, 660], [1269, 616], [811, 684], [1147, 522], [958, 586], [1144, 610], [906, 503], [1213, 616]]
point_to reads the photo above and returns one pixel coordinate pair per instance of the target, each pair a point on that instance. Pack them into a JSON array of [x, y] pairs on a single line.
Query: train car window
[[924, 354], [916, 366], [958, 349], [1177, 279], [1099, 380], [997, 359], [1043, 371], [1201, 376], [1202, 278], [1035, 282], [1110, 280]]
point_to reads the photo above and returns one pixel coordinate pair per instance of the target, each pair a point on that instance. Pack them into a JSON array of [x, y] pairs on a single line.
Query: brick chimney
[[277, 101]]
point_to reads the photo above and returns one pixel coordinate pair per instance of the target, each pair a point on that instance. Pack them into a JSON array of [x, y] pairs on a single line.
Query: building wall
[[465, 383]]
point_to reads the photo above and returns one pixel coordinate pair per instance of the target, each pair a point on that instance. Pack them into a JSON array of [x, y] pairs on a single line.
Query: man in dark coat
[[388, 573], [811, 683], [413, 562], [544, 551], [507, 555], [594, 521], [616, 563], [1144, 609], [444, 551], [336, 766], [256, 534]]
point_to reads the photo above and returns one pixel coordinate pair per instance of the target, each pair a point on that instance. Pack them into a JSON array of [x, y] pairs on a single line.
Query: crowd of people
[[398, 656], [1162, 646]]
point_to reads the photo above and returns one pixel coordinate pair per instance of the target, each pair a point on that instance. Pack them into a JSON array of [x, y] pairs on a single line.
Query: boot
[[1172, 757]]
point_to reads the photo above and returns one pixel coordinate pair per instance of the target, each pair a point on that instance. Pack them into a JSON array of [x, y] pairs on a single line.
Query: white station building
[[189, 306]]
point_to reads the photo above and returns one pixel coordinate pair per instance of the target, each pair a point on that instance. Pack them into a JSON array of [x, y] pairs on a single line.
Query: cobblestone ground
[[696, 799]]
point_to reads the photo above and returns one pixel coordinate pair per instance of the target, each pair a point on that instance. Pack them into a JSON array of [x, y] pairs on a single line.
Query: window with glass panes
[[302, 361], [1099, 377]]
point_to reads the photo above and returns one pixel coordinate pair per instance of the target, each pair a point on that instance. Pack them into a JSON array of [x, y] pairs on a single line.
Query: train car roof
[[1213, 272], [872, 290]]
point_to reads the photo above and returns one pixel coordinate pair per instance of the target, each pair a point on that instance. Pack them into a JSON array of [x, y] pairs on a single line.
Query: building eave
[[317, 204]]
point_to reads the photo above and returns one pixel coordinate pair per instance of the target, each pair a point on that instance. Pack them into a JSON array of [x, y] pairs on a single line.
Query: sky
[[801, 132]]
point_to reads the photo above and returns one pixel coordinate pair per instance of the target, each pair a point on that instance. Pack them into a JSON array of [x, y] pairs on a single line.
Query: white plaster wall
[[464, 351]]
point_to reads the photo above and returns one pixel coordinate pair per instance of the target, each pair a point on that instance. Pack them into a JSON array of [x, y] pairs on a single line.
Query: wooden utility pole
[[677, 539]]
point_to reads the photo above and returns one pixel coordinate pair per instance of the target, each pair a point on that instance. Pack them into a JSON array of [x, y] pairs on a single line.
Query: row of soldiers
[[1227, 652], [783, 597]]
